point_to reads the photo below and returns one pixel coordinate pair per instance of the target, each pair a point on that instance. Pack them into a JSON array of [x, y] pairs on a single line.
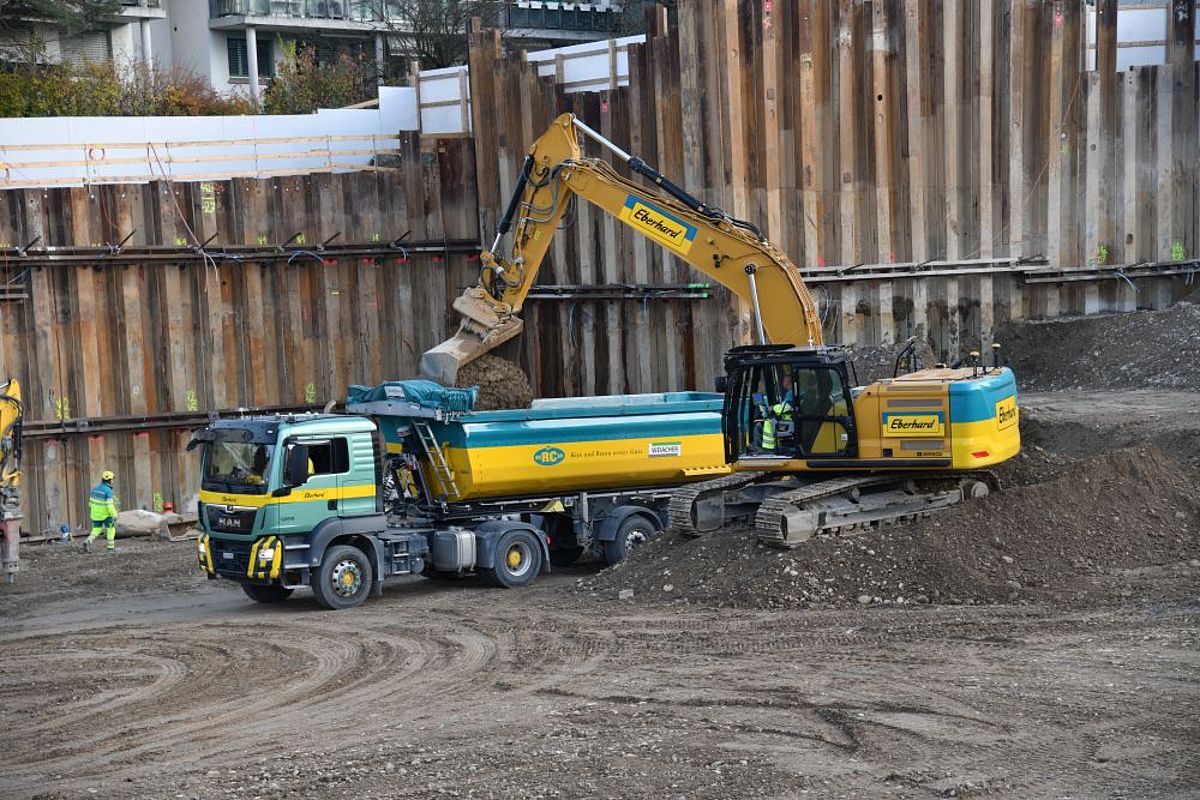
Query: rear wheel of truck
[[634, 532], [266, 594], [517, 560], [344, 578]]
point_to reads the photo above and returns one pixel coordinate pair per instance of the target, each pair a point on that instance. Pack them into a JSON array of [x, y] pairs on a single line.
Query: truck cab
[[292, 501]]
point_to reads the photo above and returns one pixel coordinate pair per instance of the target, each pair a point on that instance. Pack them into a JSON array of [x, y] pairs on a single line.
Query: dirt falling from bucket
[[502, 384]]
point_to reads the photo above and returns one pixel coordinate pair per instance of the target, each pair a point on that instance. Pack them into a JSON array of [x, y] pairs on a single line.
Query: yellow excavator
[[11, 412], [812, 451]]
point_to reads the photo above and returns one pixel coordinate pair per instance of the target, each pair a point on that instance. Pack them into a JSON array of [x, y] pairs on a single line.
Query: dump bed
[[564, 445]]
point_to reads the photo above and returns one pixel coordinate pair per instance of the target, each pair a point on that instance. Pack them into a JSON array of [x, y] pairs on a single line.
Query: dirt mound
[[1118, 511], [502, 384], [872, 362], [1142, 349]]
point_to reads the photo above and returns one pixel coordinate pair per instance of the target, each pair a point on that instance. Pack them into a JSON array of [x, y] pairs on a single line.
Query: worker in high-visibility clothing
[[102, 505], [780, 412]]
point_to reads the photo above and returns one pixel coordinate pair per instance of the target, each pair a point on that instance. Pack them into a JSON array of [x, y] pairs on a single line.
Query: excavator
[[812, 451], [11, 412]]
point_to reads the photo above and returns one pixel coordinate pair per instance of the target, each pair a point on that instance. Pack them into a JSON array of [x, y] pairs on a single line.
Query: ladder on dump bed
[[436, 459]]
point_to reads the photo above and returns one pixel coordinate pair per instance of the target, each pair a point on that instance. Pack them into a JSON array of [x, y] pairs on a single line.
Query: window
[[328, 458], [237, 466], [239, 63]]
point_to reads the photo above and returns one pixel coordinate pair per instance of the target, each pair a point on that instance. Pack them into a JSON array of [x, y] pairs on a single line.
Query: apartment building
[[123, 36], [237, 44]]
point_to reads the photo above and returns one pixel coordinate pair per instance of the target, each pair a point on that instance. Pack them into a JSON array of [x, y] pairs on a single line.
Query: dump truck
[[412, 481]]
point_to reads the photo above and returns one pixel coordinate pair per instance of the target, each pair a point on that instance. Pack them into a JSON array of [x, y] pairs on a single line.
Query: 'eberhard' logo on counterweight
[[913, 425], [658, 224]]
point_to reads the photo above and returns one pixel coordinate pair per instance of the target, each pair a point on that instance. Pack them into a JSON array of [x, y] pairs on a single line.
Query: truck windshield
[[237, 466]]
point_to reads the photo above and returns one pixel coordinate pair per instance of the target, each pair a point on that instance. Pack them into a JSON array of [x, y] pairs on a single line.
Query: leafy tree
[[302, 85], [133, 89], [70, 15]]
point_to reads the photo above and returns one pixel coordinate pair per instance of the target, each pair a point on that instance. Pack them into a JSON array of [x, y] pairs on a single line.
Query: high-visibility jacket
[[768, 434], [101, 502]]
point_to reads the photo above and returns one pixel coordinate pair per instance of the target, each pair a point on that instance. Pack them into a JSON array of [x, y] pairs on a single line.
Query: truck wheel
[[344, 578], [635, 531], [565, 556], [517, 560], [266, 594]]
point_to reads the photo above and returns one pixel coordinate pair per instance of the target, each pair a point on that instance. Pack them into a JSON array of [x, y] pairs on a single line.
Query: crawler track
[[787, 513]]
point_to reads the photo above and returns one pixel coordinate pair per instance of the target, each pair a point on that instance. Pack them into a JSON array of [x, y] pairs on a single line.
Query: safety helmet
[[107, 475]]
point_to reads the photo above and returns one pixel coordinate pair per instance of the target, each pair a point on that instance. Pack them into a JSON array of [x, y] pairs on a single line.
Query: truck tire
[[266, 594], [635, 531], [517, 560], [343, 579]]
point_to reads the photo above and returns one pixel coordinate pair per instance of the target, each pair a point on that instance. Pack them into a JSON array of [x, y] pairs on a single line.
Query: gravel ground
[[132, 676]]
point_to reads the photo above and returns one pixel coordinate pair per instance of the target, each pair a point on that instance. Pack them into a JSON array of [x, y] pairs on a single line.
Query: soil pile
[[502, 384], [1117, 511], [873, 362], [1142, 349]]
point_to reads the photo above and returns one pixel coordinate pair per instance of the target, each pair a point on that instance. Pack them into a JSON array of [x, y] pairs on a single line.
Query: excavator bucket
[[484, 327]]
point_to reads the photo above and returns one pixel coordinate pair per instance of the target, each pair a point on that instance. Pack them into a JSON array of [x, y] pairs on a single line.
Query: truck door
[[357, 475], [315, 500]]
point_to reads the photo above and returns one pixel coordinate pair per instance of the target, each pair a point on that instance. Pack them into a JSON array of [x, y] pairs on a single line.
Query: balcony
[[142, 9], [354, 11]]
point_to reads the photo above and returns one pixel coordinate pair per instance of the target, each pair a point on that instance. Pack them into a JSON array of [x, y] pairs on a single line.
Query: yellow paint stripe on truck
[[298, 495]]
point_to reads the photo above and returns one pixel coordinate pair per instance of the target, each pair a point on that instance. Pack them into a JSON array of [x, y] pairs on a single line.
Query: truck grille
[[230, 558], [231, 520]]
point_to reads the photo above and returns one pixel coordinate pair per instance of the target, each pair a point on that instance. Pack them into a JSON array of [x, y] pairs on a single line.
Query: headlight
[[200, 547], [266, 554]]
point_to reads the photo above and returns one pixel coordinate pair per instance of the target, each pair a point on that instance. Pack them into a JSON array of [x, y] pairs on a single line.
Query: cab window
[[330, 457]]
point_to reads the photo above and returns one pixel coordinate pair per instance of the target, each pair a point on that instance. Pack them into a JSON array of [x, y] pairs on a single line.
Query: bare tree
[[434, 32]]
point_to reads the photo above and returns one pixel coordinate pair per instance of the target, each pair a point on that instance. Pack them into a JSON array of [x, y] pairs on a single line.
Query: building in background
[[125, 36], [236, 44]]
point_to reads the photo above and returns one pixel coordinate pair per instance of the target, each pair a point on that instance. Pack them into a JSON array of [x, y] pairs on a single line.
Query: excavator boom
[[554, 174]]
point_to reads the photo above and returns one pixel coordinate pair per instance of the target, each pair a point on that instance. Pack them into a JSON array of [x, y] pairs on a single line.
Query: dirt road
[[132, 676]]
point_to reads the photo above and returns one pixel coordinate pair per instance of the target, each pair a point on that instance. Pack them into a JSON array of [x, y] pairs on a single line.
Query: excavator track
[[854, 504], [685, 512]]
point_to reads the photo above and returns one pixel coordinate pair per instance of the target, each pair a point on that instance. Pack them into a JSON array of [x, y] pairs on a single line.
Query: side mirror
[[722, 384], [295, 469]]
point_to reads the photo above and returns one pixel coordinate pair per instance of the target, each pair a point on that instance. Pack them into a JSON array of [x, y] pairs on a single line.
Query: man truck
[[412, 481]]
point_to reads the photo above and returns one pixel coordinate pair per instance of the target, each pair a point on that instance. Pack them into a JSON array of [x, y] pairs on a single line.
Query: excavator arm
[[554, 174]]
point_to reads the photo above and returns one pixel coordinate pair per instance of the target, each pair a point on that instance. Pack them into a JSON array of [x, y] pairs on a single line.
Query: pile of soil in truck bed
[[502, 384], [1114, 512]]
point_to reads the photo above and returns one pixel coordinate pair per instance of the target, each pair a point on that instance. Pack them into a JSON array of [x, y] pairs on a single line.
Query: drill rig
[[11, 412], [812, 451]]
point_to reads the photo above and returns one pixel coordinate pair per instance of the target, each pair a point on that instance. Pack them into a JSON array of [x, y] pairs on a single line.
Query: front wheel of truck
[[343, 579], [266, 594], [517, 560]]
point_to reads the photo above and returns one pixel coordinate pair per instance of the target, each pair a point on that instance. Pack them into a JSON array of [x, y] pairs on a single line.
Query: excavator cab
[[784, 403]]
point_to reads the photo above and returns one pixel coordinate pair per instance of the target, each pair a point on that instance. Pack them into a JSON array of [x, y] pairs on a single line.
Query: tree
[[71, 16], [303, 85], [434, 32]]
